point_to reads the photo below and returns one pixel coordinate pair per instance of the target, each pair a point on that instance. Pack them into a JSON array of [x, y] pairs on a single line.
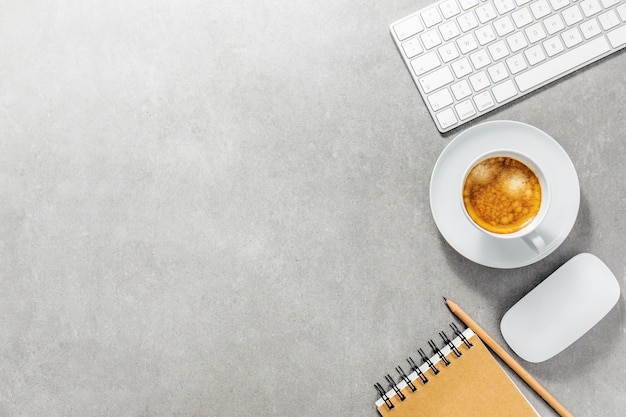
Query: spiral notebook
[[462, 379]]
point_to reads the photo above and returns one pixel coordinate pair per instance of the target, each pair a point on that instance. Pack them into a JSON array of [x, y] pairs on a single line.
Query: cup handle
[[535, 241]]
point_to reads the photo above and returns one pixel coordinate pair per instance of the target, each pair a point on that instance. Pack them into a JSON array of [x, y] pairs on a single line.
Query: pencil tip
[[445, 299]]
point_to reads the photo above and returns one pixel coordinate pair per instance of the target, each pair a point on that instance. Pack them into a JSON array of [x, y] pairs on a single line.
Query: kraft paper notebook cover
[[462, 379]]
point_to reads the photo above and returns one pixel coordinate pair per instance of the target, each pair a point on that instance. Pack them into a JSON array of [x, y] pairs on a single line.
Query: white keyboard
[[468, 57]]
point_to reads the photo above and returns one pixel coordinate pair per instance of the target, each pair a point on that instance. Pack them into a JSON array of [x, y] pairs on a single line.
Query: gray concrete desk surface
[[221, 209]]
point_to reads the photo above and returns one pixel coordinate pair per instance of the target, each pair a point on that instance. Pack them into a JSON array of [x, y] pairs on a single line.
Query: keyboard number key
[[559, 4], [425, 63], [408, 27], [486, 12], [467, 21], [504, 6], [465, 109], [447, 118], [449, 8], [430, 39], [440, 99], [449, 30], [483, 100], [485, 35]]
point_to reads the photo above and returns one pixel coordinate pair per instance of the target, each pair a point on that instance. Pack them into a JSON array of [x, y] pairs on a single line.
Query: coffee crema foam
[[501, 194]]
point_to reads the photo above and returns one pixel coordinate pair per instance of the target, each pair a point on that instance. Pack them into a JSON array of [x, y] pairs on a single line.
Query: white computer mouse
[[560, 309]]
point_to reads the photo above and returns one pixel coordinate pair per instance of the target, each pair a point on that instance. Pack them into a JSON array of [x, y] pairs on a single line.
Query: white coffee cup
[[529, 232]]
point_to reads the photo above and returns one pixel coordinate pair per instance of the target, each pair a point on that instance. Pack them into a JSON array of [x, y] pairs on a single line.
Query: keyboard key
[[446, 118], [408, 27], [461, 89], [485, 34], [553, 24], [448, 52], [617, 37], [621, 9], [479, 81], [430, 39], [467, 21], [504, 6], [467, 43], [540, 9], [440, 99], [465, 109], [468, 4], [483, 100], [498, 72], [522, 17], [498, 50], [571, 37], [425, 63], [431, 17], [535, 33], [572, 15], [553, 46], [609, 3], [590, 28], [485, 13], [462, 67], [436, 79], [516, 63], [449, 30], [504, 91], [608, 20], [480, 59], [590, 7], [516, 41], [449, 8], [562, 64], [534, 55], [559, 4], [504, 26], [412, 47]]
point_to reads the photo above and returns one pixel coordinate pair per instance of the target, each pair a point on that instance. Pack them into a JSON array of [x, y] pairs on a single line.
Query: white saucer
[[445, 189]]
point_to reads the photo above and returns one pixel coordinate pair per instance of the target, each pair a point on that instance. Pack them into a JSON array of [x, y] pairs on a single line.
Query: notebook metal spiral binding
[[425, 360]]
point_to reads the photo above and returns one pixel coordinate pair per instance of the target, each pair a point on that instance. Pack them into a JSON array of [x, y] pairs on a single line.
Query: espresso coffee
[[501, 194]]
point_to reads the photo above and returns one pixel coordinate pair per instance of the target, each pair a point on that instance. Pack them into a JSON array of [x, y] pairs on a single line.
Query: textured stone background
[[215, 208]]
